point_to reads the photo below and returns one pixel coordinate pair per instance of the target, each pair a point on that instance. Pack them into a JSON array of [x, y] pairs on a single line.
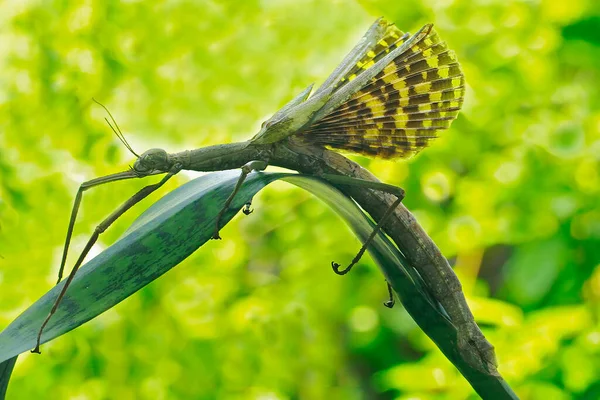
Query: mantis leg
[[390, 302], [85, 186], [136, 198], [382, 221], [246, 169], [398, 192]]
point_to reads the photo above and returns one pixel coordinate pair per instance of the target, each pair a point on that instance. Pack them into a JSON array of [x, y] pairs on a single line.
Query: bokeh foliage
[[510, 194]]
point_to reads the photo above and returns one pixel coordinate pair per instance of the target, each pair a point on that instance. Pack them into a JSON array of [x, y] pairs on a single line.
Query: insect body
[[388, 98]]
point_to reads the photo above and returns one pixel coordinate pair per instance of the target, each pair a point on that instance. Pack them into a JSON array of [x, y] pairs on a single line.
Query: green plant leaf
[[180, 222], [6, 369], [167, 233], [164, 235], [409, 286]]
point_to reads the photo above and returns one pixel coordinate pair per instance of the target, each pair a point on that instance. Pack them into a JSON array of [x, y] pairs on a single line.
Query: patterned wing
[[400, 110], [392, 38]]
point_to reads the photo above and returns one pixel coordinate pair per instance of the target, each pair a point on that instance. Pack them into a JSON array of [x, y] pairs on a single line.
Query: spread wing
[[399, 110]]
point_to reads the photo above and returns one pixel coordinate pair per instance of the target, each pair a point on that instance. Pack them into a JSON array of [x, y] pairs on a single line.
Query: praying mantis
[[388, 98]]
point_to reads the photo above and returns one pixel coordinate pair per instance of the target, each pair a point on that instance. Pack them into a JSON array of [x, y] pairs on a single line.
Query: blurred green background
[[510, 194]]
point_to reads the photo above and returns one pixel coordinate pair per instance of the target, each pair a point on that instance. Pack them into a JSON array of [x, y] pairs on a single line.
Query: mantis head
[[152, 160]]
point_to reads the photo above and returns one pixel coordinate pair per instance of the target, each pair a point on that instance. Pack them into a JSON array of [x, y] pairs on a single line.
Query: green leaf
[[180, 222], [167, 233], [6, 369], [427, 313]]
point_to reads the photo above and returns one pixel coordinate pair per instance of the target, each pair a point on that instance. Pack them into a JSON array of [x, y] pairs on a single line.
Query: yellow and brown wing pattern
[[399, 111], [392, 38]]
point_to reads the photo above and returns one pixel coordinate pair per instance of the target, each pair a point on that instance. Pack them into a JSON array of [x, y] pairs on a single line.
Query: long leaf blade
[[163, 236], [179, 223]]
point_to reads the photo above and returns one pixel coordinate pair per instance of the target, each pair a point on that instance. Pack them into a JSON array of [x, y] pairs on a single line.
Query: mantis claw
[[247, 210], [390, 302], [336, 268]]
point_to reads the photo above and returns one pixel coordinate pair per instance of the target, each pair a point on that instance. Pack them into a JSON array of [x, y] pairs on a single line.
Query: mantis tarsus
[[388, 98]]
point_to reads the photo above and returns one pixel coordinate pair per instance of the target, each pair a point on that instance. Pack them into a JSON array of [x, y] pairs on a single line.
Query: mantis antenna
[[116, 130]]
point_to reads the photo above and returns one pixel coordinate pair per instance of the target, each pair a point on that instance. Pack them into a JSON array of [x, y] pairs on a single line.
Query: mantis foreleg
[[85, 186], [136, 198]]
